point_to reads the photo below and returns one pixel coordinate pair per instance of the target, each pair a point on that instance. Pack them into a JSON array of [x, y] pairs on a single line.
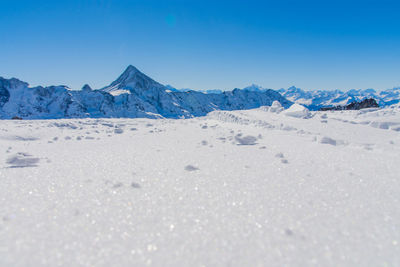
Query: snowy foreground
[[240, 188]]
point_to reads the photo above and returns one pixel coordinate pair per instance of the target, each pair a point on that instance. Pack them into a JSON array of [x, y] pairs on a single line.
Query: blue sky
[[203, 44]]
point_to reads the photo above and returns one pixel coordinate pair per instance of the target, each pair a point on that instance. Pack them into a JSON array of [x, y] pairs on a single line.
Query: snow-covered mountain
[[211, 91], [18, 99], [132, 95], [320, 98], [255, 88]]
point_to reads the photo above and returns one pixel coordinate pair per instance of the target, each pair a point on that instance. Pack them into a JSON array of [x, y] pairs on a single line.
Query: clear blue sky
[[203, 44]]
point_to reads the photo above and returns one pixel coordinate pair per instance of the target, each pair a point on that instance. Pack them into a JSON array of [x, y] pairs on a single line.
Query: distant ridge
[[132, 95], [315, 100]]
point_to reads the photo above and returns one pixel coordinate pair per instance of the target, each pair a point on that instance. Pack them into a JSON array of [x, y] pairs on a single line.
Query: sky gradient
[[203, 44]]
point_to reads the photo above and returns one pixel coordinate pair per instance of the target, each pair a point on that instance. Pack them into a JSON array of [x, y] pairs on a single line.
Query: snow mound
[[237, 118], [275, 107], [297, 111]]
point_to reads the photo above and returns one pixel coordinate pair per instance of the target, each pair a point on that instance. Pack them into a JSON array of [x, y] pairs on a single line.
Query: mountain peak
[[131, 68], [86, 87], [129, 72], [133, 79]]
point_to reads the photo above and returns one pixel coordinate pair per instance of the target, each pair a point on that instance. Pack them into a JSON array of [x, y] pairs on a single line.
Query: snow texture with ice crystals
[[233, 188]]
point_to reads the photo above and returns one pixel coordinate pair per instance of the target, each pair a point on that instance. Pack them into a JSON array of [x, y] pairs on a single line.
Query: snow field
[[237, 188]]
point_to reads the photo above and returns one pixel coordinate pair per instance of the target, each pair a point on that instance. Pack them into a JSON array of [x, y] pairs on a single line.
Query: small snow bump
[[289, 232], [135, 185], [118, 131], [118, 185], [191, 168]]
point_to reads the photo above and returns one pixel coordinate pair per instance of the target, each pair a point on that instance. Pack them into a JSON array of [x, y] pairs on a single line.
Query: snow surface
[[234, 188]]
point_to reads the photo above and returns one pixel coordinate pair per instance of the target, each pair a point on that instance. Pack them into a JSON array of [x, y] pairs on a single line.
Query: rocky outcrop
[[366, 103]]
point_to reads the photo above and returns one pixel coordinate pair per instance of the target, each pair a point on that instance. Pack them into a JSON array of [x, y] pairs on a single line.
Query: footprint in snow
[[282, 157], [118, 131], [22, 160], [248, 140], [328, 141]]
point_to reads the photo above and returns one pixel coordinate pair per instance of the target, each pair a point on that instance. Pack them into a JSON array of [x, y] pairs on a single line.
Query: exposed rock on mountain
[[366, 103]]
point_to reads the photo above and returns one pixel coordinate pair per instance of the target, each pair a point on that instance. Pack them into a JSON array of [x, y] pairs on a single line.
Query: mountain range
[[135, 95], [315, 100], [132, 95]]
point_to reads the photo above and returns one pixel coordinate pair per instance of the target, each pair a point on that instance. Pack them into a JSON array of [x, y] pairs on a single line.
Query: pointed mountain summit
[[142, 91], [133, 80], [87, 88]]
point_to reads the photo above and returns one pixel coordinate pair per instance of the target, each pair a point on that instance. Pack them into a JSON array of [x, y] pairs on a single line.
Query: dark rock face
[[366, 103], [4, 93], [4, 96]]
